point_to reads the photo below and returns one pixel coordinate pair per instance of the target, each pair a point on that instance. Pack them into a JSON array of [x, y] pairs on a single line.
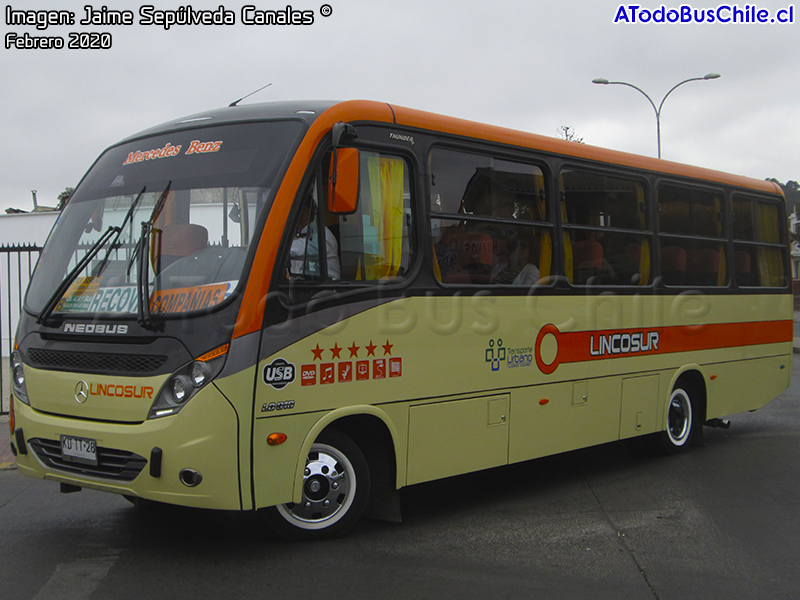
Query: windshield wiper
[[141, 255], [112, 230], [62, 289], [142, 276], [128, 215]]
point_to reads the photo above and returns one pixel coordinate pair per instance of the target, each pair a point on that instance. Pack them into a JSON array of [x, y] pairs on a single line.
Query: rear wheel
[[336, 484], [680, 423]]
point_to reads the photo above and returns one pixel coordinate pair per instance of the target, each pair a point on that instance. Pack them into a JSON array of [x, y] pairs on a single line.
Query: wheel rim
[[329, 486], [679, 418]]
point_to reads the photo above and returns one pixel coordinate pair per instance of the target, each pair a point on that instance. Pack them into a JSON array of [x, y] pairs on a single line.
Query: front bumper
[[203, 437]]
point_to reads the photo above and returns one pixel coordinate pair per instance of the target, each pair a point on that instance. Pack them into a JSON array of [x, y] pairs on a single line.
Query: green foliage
[[64, 196], [791, 190]]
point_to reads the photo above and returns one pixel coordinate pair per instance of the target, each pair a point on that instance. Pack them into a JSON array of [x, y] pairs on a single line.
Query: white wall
[[26, 228]]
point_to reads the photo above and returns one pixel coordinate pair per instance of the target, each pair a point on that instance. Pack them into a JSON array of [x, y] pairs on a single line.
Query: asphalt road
[[720, 521]]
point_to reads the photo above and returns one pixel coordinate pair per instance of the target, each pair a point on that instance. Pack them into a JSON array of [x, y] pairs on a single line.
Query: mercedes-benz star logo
[[81, 392]]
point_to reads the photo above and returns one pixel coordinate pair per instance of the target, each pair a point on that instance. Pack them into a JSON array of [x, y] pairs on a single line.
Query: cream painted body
[[449, 413]]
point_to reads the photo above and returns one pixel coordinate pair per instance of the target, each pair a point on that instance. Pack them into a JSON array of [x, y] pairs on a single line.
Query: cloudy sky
[[525, 64]]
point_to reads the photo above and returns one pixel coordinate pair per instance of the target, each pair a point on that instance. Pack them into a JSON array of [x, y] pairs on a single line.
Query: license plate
[[79, 450]]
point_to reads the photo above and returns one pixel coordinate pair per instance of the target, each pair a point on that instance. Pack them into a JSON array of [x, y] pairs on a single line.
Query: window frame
[[311, 290], [647, 232], [504, 154], [687, 240], [781, 245]]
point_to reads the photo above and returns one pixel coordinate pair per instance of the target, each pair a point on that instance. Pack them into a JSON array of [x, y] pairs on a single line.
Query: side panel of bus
[[458, 414]]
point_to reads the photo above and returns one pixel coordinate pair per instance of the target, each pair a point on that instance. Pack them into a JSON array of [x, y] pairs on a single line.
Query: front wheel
[[680, 424], [336, 484]]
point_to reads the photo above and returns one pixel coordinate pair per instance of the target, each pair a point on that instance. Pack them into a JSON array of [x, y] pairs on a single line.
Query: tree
[[791, 190], [64, 197], [565, 132]]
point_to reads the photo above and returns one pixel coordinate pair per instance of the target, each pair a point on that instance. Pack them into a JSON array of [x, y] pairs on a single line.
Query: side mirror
[[343, 181]]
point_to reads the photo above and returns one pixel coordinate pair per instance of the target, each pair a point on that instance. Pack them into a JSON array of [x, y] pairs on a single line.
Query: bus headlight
[[199, 373], [180, 389], [18, 377], [186, 382]]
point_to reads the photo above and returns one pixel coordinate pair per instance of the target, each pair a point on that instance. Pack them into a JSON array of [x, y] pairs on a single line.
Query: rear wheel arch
[[694, 382], [373, 437]]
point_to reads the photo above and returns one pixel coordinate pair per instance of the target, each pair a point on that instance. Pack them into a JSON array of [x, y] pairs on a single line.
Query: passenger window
[[692, 236], [607, 240], [758, 252], [489, 220], [372, 244]]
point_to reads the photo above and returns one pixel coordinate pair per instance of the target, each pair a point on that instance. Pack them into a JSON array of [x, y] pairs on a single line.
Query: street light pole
[[602, 81]]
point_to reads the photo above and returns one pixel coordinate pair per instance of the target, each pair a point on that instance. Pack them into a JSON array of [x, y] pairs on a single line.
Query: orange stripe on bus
[[584, 346]]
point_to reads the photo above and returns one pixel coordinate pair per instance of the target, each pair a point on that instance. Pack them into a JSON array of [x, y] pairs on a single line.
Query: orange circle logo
[[544, 367]]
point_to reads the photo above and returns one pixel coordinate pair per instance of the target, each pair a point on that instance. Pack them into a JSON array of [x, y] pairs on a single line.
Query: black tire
[[680, 423], [336, 488]]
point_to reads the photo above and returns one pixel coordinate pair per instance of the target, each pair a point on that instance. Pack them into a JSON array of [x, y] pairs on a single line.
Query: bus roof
[[424, 120], [305, 110], [354, 111]]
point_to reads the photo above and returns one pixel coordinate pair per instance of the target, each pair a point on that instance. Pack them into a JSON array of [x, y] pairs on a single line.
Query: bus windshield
[[173, 215]]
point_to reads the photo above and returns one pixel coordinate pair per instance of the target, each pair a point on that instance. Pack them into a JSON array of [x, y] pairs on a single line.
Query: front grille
[[111, 464], [95, 361]]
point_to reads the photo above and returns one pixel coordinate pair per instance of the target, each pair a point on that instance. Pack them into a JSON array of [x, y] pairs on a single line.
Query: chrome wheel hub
[[328, 489]]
